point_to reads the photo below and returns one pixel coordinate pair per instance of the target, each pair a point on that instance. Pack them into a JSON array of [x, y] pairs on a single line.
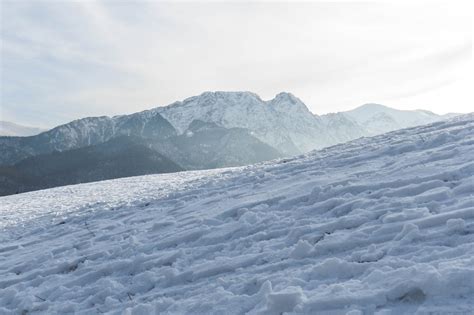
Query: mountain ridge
[[235, 128], [277, 122], [118, 157]]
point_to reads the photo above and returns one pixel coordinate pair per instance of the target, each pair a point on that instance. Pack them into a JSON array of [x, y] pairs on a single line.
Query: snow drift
[[371, 226]]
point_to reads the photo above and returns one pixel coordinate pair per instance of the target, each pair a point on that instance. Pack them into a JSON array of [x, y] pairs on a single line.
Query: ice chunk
[[285, 300], [302, 249]]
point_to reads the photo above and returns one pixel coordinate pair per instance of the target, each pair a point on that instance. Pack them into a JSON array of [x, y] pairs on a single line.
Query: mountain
[[85, 132], [342, 127], [245, 110], [381, 225], [11, 129], [101, 148], [284, 123], [203, 146], [378, 119], [207, 145], [212, 130], [119, 157]]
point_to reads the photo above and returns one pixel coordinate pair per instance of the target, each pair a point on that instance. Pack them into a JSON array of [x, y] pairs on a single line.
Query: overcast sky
[[62, 60]]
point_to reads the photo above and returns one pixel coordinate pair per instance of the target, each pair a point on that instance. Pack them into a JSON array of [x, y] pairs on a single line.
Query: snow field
[[381, 225]]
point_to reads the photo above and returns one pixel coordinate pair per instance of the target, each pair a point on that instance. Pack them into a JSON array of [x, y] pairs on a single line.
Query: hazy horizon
[[64, 61]]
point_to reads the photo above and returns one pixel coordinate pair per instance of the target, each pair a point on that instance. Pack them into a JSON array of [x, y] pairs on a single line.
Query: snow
[[283, 122], [378, 118], [381, 225], [240, 110]]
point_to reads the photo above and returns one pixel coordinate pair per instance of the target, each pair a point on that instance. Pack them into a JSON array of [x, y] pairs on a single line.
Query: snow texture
[[381, 225]]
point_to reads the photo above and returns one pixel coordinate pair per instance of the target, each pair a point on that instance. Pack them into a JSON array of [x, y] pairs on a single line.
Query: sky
[[63, 60]]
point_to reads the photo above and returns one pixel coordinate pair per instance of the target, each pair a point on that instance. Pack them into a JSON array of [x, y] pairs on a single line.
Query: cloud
[[65, 60]]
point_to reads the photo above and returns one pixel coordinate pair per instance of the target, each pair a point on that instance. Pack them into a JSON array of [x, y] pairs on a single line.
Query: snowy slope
[[371, 226], [11, 129]]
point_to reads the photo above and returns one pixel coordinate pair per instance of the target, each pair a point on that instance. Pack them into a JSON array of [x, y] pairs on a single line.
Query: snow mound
[[381, 225]]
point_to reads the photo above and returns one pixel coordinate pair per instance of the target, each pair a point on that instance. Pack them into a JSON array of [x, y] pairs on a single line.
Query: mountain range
[[212, 130]]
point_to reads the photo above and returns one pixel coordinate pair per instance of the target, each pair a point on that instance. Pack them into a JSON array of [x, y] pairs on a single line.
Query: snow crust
[[381, 225]]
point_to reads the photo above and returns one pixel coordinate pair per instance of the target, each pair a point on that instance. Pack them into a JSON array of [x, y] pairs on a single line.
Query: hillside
[[376, 225], [85, 132], [119, 157]]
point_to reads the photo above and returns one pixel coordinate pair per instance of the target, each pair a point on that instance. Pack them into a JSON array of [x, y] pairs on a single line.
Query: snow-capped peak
[[288, 102], [209, 97], [285, 122], [285, 96], [378, 118], [268, 120]]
